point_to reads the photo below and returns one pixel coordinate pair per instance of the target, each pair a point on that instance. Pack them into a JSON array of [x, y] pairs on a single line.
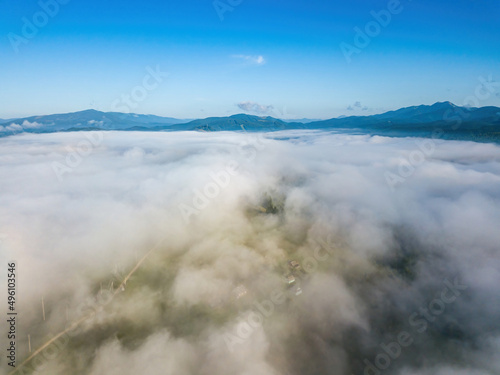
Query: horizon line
[[242, 113]]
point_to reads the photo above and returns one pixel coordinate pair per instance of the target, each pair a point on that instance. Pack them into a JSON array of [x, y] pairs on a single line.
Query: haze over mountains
[[443, 119]]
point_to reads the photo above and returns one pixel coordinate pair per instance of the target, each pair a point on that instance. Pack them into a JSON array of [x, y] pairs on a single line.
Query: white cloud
[[14, 127], [357, 106], [255, 107], [256, 60], [30, 125]]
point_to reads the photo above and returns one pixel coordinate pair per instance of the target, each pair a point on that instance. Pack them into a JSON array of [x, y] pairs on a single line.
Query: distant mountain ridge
[[454, 122], [91, 118], [441, 112], [235, 123]]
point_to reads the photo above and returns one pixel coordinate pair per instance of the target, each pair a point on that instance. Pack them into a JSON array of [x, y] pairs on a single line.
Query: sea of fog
[[287, 253]]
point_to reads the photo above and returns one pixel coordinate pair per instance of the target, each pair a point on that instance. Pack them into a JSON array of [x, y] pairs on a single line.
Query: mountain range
[[450, 121]]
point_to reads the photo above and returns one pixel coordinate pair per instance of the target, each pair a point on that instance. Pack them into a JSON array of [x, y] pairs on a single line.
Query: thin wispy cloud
[[255, 107], [357, 106], [255, 60]]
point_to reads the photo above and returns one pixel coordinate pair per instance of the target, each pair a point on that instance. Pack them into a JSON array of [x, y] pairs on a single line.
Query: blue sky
[[281, 58]]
